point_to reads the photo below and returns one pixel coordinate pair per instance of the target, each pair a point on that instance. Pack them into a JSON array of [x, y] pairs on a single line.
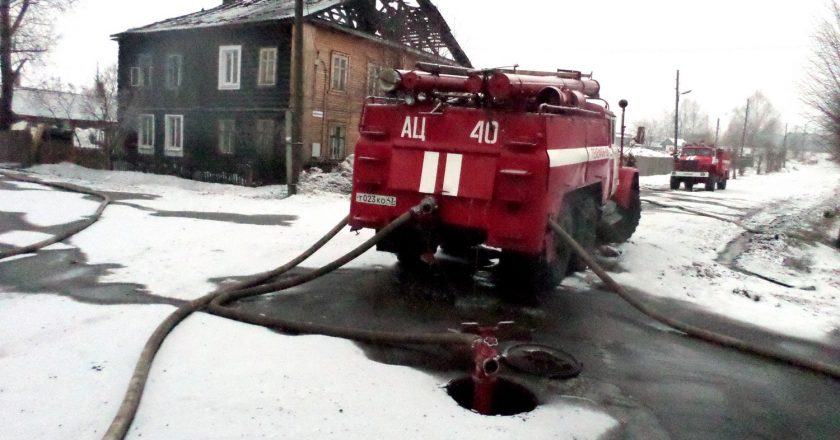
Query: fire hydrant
[[487, 363]]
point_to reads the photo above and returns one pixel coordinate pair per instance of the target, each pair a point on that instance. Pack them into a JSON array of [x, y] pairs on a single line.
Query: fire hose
[[105, 200], [692, 330], [216, 300], [262, 283]]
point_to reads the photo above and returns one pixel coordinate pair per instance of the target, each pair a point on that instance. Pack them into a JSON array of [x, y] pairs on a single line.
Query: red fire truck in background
[[701, 163], [502, 152]]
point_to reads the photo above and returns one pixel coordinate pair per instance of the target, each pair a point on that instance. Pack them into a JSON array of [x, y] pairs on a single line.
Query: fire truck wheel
[[689, 186], [630, 216], [675, 183], [586, 220], [721, 184], [563, 264], [710, 183]]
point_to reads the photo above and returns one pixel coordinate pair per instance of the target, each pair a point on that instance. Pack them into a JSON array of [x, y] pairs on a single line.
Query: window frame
[[178, 78], [339, 81], [234, 83], [263, 77], [373, 71], [265, 139], [142, 147], [331, 137], [168, 147], [226, 136], [144, 63]]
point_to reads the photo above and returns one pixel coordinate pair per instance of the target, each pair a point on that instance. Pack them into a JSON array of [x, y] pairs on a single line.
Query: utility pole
[[717, 132], [677, 113], [743, 138], [784, 147], [296, 145]]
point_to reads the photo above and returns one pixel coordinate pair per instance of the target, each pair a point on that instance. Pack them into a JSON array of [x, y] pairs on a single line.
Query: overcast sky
[[725, 49]]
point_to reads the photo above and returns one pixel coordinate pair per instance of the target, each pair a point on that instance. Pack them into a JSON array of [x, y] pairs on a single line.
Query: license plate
[[376, 199], [689, 174]]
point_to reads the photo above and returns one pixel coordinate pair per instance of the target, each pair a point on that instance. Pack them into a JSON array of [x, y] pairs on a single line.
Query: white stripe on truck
[[452, 174], [428, 177], [572, 156]]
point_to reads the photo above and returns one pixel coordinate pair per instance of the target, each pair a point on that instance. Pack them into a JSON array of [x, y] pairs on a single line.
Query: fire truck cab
[[699, 163], [502, 152]]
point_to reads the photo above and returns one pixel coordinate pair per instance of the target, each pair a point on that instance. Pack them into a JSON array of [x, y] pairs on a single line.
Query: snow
[[47, 208], [89, 138], [239, 12], [676, 253], [207, 383], [221, 379], [23, 238]]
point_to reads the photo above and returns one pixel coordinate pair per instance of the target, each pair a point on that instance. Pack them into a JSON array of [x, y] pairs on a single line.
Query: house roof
[[242, 11], [412, 23], [50, 104]]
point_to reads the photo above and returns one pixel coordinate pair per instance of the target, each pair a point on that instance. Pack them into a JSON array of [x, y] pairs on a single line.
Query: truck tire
[[689, 186], [524, 275], [675, 183], [586, 222], [630, 216], [710, 183], [722, 184]]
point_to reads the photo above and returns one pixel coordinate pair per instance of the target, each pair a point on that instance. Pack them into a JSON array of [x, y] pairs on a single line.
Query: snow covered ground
[[64, 365], [681, 255]]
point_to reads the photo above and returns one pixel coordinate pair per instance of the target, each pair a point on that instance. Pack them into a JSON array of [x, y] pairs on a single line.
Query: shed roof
[[50, 104]]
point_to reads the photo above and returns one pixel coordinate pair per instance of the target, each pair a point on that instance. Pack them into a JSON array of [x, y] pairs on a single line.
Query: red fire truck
[[701, 163], [502, 152]]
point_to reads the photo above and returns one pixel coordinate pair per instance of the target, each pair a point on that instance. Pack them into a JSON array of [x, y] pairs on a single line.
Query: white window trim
[[168, 148], [145, 148], [179, 75], [267, 80], [345, 77], [232, 85]]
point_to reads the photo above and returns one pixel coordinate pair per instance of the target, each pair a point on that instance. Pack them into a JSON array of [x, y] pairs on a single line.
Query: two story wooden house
[[207, 95]]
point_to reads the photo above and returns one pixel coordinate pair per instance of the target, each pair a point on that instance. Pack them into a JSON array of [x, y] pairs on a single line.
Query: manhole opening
[[509, 398]]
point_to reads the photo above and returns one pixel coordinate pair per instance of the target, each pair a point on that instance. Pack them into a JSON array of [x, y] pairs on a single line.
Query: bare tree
[[822, 89], [694, 122], [26, 33], [763, 129], [100, 103]]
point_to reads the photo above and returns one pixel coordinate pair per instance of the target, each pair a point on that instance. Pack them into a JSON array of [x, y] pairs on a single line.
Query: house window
[[174, 66], [265, 135], [373, 88], [141, 74], [174, 135], [338, 138], [146, 134], [268, 67], [226, 135], [339, 72], [230, 61]]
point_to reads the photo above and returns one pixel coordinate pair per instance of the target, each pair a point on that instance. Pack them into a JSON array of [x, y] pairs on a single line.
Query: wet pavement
[[657, 382]]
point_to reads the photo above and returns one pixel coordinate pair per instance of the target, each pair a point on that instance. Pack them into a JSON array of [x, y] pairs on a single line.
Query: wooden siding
[[201, 102]]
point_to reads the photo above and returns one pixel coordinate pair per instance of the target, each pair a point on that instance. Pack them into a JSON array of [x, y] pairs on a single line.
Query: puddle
[[227, 217], [66, 272]]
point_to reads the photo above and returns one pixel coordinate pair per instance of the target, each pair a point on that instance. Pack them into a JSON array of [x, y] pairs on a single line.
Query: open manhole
[[542, 360], [509, 398]]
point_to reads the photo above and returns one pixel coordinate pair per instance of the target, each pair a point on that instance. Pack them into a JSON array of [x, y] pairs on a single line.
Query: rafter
[[413, 23]]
